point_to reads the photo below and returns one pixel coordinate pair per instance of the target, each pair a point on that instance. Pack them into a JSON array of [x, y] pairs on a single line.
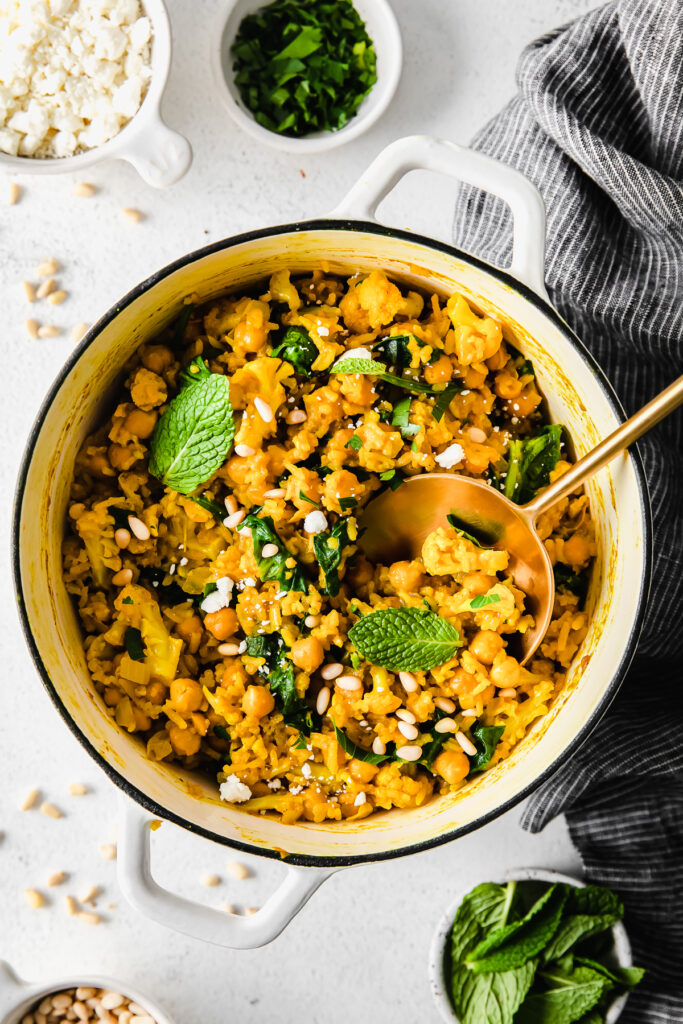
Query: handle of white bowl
[[420, 152], [160, 156], [13, 992], [195, 919]]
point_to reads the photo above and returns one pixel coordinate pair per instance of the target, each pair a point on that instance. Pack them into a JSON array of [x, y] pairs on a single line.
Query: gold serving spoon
[[396, 523]]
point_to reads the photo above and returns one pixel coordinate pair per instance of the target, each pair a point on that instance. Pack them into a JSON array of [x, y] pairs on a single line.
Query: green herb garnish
[[354, 442], [400, 419], [216, 510], [303, 67], [194, 434], [530, 464], [444, 399], [369, 367], [330, 555], [298, 348], [304, 497], [132, 639], [405, 639], [273, 567], [482, 600]]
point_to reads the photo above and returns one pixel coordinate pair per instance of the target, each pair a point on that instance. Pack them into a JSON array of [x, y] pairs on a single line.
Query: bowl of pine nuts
[[95, 999]]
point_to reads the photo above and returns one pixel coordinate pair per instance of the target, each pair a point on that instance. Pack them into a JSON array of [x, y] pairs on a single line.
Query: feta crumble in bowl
[[82, 81]]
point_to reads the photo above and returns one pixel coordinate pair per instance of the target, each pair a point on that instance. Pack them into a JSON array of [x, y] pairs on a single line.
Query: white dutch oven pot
[[578, 396]]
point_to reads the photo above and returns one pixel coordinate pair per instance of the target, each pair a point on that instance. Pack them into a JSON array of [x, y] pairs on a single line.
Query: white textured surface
[[359, 949]]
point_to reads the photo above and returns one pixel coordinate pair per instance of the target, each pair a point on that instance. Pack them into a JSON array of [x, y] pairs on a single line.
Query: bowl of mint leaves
[[537, 948]]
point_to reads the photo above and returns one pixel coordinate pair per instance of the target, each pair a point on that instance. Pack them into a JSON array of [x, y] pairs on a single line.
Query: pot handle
[[160, 156], [195, 919], [420, 152]]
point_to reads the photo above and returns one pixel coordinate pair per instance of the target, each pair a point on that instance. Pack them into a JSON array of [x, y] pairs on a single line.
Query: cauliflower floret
[[445, 552], [476, 338]]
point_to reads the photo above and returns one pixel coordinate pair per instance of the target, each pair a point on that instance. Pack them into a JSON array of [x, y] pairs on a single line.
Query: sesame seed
[[275, 492], [409, 753], [134, 216], [296, 416], [378, 747], [14, 193], [77, 789], [349, 683], [446, 725], [138, 528], [508, 691], [29, 291], [29, 800], [122, 537], [332, 670], [263, 409], [408, 681], [323, 700], [466, 744], [237, 870], [444, 704], [406, 716], [84, 190], [171, 568], [269, 550], [228, 650], [244, 451], [32, 328], [183, 561], [235, 519]]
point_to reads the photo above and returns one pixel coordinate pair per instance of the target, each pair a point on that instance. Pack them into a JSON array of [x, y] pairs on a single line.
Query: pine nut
[[407, 730], [229, 908], [230, 504], [243, 451], [29, 800], [78, 331], [311, 621], [91, 894], [466, 744], [50, 811], [14, 193], [228, 650], [32, 328], [122, 578], [108, 851], [263, 409], [134, 216], [470, 713], [237, 870], [235, 519], [56, 298], [83, 189], [110, 1000], [62, 1001], [350, 683], [136, 1009], [378, 747], [269, 550], [46, 1005], [144, 1019], [48, 331], [210, 881], [47, 267], [507, 691], [275, 492], [34, 898], [445, 725], [57, 878], [331, 671], [296, 416], [138, 528], [77, 789], [45, 288], [122, 537], [81, 1010], [85, 993], [71, 908], [409, 753], [29, 291], [323, 700], [88, 918], [477, 435], [444, 704], [406, 716], [249, 911], [408, 681]]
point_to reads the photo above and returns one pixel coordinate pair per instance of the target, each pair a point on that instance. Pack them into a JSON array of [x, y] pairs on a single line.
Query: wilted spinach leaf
[[298, 348], [530, 463], [329, 548], [273, 567]]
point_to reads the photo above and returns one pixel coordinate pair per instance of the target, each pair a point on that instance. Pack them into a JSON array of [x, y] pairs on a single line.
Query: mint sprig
[[405, 639], [195, 432], [372, 367]]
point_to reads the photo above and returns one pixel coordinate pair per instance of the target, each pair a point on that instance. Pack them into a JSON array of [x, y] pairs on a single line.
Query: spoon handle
[[646, 418]]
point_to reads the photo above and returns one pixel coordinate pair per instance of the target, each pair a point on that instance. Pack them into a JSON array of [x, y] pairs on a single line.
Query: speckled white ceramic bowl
[[622, 947], [17, 997], [382, 28], [159, 155]]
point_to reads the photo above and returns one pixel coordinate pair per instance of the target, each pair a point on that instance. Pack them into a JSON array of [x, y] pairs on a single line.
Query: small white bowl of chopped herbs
[[536, 946], [307, 75]]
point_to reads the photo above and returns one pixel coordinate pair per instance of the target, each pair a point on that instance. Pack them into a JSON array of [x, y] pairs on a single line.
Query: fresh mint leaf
[[329, 548], [298, 348], [132, 639], [590, 910], [273, 567], [482, 600], [400, 419], [444, 399], [405, 639], [621, 977], [379, 370], [565, 997], [485, 739], [194, 433], [530, 463], [514, 944], [360, 754], [389, 474], [355, 443]]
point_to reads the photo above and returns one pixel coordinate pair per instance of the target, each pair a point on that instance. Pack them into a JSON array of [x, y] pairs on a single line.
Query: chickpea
[[524, 403], [407, 576], [142, 721], [440, 371], [478, 583], [483, 697], [258, 701], [99, 466], [308, 653], [507, 385], [361, 771], [498, 360], [485, 645], [186, 695], [120, 457], [185, 742], [250, 334], [111, 696], [463, 682], [506, 672], [360, 571], [140, 423], [577, 551], [157, 358], [222, 624], [156, 693], [452, 765]]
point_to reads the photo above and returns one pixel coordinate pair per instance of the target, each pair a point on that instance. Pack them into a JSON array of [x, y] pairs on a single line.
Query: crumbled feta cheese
[[295, 790], [360, 800], [274, 784], [322, 330], [451, 456], [72, 73], [233, 791], [315, 522]]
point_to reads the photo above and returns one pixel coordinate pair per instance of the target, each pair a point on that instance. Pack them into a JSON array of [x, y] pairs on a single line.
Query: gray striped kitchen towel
[[598, 126]]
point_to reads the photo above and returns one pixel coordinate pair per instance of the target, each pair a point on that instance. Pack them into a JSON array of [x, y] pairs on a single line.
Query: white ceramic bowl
[[159, 155], [17, 997], [383, 30], [622, 947]]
